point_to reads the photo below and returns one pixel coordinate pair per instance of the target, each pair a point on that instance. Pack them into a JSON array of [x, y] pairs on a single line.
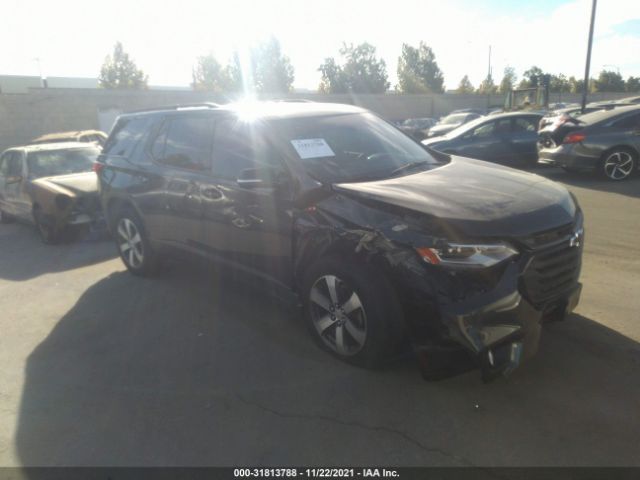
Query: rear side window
[[630, 121], [125, 136], [184, 142]]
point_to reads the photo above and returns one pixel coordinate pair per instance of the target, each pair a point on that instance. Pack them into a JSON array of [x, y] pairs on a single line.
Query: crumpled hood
[[85, 183], [479, 198]]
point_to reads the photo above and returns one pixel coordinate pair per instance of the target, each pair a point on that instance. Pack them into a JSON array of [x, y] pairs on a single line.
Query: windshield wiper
[[408, 166]]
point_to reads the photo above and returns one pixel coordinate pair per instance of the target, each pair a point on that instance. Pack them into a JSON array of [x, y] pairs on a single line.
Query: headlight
[[467, 255]]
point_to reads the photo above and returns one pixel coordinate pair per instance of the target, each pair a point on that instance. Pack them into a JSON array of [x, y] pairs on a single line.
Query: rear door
[[627, 130], [182, 147]]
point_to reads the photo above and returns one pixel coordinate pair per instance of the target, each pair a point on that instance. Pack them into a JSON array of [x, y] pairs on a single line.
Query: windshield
[[453, 119], [47, 163], [352, 147]]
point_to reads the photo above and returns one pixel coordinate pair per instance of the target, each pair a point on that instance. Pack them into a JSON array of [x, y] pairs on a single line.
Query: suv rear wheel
[[133, 245], [352, 311]]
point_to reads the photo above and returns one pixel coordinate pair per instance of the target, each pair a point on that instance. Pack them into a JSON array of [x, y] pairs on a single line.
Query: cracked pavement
[[198, 368]]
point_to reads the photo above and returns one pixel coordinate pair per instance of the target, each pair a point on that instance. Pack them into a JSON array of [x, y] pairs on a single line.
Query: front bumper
[[495, 331]]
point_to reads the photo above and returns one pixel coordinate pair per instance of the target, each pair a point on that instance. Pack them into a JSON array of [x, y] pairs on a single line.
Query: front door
[[247, 203]]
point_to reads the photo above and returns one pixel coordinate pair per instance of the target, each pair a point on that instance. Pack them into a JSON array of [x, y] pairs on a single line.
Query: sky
[[72, 37]]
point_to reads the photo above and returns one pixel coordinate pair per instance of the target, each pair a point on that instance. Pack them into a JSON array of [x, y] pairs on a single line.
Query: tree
[[632, 84], [508, 81], [609, 81], [465, 85], [487, 87], [361, 72], [273, 72], [119, 71], [208, 74], [559, 84], [575, 86], [418, 71], [531, 77], [334, 80]]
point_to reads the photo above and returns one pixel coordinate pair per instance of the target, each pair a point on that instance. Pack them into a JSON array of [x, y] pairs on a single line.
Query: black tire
[[5, 217], [45, 225], [377, 323], [618, 164], [132, 243]]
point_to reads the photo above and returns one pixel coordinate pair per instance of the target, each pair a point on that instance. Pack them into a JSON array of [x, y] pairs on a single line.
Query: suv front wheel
[[352, 311], [133, 244]]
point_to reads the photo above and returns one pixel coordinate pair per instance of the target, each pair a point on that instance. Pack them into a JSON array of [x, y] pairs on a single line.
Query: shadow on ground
[[630, 187], [191, 368], [24, 256]]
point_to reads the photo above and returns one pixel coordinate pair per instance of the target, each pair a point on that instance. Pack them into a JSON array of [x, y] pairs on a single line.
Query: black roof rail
[[177, 107]]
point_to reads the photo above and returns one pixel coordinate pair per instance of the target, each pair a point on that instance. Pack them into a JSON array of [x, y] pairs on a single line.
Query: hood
[[77, 183], [477, 198]]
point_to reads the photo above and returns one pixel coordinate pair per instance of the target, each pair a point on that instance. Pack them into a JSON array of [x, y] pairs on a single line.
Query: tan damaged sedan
[[51, 185]]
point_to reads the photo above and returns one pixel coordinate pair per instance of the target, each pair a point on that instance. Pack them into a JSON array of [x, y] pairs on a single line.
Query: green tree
[[559, 84], [575, 85], [609, 81], [334, 80], [632, 84], [418, 71], [361, 71], [508, 81], [273, 71], [208, 74], [264, 69], [487, 86], [119, 71], [465, 85], [531, 77]]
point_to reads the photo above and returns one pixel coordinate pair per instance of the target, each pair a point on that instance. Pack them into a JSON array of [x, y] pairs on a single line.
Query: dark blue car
[[508, 139]]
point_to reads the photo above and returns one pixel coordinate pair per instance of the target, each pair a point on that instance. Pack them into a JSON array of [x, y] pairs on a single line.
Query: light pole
[[43, 82], [585, 86]]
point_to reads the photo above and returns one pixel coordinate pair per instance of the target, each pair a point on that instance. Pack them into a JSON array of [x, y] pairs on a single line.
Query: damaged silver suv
[[384, 242]]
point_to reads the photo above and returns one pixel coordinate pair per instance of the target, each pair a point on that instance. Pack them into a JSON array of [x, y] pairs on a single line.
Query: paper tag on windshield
[[312, 148]]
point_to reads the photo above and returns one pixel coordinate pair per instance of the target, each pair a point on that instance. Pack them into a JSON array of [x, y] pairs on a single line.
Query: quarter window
[[125, 136]]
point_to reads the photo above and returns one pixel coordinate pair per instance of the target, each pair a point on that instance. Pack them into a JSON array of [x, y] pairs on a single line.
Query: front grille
[[552, 272], [87, 203]]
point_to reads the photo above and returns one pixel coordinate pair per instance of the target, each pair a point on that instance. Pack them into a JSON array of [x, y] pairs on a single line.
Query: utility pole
[[489, 78], [585, 87]]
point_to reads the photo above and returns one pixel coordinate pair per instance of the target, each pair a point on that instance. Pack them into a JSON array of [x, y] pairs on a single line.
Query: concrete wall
[[26, 116]]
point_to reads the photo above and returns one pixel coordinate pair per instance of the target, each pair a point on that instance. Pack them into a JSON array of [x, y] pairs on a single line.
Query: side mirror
[[14, 179]]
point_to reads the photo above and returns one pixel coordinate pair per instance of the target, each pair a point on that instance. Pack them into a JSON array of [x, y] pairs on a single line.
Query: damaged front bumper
[[494, 331]]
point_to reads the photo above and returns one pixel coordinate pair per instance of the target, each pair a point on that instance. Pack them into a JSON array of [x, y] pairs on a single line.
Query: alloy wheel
[[618, 165], [338, 315], [130, 243]]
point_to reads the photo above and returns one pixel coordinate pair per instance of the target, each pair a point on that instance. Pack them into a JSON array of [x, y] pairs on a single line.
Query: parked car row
[[384, 242], [604, 139]]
